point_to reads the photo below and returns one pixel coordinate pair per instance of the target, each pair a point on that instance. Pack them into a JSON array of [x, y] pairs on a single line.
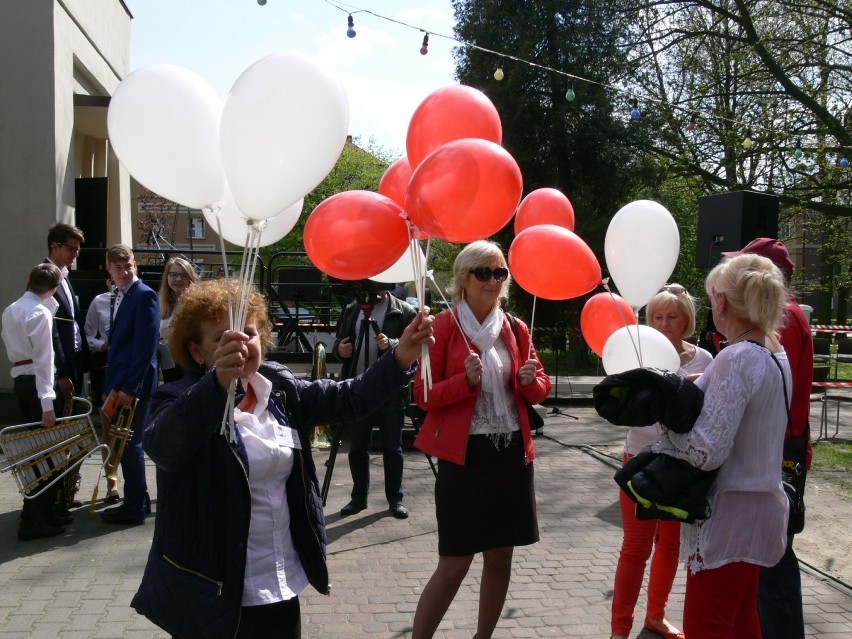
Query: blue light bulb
[[350, 32], [844, 161]]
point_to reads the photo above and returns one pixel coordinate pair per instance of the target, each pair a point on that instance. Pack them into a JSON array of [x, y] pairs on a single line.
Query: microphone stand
[[556, 410]]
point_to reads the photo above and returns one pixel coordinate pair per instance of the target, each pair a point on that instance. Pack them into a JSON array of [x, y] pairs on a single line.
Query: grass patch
[[834, 461]]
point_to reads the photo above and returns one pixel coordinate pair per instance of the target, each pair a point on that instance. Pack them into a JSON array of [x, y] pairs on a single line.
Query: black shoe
[[28, 532], [112, 499], [59, 520], [353, 507], [122, 517], [398, 510]]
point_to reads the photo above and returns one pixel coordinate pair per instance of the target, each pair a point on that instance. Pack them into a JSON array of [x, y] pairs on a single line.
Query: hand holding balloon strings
[[420, 288]]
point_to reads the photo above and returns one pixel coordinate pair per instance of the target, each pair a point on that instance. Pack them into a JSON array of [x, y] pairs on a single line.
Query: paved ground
[[79, 585]]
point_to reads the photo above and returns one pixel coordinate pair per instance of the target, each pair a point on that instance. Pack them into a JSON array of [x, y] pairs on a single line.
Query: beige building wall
[[50, 52]]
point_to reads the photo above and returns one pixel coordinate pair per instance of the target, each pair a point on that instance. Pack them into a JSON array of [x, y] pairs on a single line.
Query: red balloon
[[465, 191], [602, 315], [451, 113], [355, 234], [544, 206], [394, 182], [553, 263]]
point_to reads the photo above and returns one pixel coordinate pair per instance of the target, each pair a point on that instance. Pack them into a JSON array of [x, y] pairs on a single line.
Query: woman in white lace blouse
[[740, 431], [672, 312]]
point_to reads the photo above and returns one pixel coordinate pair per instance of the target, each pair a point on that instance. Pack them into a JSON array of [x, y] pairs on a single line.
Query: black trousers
[[280, 620], [35, 511]]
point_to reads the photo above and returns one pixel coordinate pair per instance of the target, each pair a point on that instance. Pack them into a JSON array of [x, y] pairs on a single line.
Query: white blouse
[[740, 431], [483, 421], [273, 570]]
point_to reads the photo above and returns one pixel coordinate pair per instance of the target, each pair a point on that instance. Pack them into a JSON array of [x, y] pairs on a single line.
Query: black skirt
[[487, 503]]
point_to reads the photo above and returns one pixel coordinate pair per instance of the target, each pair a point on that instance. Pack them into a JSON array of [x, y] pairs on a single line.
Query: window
[[195, 229]]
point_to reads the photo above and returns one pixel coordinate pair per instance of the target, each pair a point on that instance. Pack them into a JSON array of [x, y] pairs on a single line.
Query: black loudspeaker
[[91, 196], [729, 221]]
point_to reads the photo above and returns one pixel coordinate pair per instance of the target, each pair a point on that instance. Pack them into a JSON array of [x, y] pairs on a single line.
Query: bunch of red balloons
[[457, 184]]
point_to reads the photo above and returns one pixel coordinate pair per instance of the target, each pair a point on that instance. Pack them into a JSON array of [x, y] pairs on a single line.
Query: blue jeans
[[390, 422], [779, 598]]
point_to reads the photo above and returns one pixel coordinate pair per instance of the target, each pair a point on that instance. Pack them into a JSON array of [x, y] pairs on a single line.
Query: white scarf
[[483, 336]]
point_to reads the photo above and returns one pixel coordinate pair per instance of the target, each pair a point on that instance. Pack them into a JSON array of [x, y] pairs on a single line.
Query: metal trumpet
[[320, 437], [119, 433]]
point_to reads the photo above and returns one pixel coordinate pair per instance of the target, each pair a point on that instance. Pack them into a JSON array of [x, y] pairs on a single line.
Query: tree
[[777, 73], [587, 148]]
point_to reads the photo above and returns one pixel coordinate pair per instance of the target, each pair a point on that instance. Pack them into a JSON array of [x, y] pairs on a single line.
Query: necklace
[[741, 335]]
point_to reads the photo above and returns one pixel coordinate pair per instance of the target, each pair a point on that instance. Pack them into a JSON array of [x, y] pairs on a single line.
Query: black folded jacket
[[665, 487], [644, 396]]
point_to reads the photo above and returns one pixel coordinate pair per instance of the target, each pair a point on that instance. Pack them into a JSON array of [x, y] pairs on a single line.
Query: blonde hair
[[208, 301], [472, 256], [167, 296], [754, 287], [683, 302]]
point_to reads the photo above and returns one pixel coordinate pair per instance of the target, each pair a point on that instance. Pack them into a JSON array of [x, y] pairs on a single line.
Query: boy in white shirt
[[27, 334]]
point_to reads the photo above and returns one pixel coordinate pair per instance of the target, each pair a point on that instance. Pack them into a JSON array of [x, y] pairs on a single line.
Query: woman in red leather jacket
[[477, 425]]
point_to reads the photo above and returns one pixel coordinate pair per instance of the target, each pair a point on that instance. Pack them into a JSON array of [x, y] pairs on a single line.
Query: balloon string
[[218, 210], [425, 360], [532, 323], [229, 404], [450, 305], [420, 289], [636, 347]]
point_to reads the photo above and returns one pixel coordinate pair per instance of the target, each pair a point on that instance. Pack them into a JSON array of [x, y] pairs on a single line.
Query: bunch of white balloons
[[254, 157]]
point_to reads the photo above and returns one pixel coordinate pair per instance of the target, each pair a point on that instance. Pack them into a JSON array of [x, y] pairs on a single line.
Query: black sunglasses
[[483, 273]]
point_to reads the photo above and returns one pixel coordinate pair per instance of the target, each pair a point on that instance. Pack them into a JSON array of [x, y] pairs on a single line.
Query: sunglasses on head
[[483, 273], [674, 289]]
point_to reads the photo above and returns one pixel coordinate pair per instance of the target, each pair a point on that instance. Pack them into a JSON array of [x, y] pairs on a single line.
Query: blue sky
[[384, 75]]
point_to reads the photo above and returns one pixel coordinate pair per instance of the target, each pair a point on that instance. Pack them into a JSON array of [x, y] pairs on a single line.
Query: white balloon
[[403, 269], [284, 125], [641, 247], [234, 223], [655, 349], [163, 123]]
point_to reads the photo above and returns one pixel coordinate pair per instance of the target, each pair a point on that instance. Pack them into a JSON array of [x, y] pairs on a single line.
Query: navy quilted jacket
[[193, 581]]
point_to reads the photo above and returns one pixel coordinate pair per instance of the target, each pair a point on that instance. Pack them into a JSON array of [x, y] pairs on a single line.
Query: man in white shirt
[[27, 330]]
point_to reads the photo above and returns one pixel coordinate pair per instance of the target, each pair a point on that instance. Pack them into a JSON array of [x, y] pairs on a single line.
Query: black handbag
[[793, 469]]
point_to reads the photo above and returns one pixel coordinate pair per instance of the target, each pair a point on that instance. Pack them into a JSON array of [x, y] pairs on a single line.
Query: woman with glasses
[[178, 275], [672, 312], [485, 374]]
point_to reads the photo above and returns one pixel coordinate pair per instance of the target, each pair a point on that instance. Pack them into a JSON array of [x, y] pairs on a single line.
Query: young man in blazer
[[131, 372], [69, 337]]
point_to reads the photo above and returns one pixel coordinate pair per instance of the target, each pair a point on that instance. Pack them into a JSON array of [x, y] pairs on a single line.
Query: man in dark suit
[[379, 320], [71, 350], [69, 338], [131, 372]]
